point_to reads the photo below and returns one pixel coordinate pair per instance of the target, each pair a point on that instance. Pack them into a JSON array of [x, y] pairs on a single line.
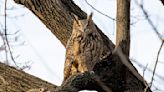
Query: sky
[[46, 54]]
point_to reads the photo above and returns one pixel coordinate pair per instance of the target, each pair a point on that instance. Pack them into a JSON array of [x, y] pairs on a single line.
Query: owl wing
[[91, 50], [68, 60]]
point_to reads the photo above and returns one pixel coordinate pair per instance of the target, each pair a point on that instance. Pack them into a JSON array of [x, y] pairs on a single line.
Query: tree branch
[[13, 80], [123, 25], [152, 79]]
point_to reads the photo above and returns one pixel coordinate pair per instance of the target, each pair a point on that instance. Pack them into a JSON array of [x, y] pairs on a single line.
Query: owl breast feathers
[[84, 48]]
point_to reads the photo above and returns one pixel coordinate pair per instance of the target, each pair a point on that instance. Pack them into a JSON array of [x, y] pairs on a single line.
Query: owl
[[84, 47]]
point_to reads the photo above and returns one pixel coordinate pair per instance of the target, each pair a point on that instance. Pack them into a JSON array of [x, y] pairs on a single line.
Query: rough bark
[[13, 80], [109, 74], [123, 25]]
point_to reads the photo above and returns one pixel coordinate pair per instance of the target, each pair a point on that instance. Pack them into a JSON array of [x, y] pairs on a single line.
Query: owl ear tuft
[[76, 19], [89, 18]]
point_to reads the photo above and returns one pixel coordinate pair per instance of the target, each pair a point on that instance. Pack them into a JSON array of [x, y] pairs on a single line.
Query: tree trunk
[[108, 76], [123, 25]]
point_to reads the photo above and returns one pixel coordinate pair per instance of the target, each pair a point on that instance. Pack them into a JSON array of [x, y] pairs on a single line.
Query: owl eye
[[78, 36]]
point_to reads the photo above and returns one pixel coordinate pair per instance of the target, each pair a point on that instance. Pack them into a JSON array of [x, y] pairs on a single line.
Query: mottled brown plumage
[[84, 48]]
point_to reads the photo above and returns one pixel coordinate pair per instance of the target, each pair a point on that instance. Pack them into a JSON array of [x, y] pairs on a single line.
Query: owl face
[[83, 27]]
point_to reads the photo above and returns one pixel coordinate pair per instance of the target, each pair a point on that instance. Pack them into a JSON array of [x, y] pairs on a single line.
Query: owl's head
[[83, 26]]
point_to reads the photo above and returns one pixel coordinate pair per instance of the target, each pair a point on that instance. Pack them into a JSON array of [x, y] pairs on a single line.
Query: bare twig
[[99, 11], [5, 46], [149, 20], [148, 69], [156, 89], [145, 70], [5, 41], [158, 34], [156, 63], [113, 19], [6, 38]]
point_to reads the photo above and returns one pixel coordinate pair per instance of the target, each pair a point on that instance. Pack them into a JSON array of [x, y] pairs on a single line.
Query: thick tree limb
[[13, 80]]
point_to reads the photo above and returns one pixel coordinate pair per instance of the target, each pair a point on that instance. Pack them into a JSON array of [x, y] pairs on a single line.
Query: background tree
[[123, 25]]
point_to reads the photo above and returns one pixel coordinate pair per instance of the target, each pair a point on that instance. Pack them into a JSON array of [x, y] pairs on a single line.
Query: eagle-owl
[[84, 47]]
